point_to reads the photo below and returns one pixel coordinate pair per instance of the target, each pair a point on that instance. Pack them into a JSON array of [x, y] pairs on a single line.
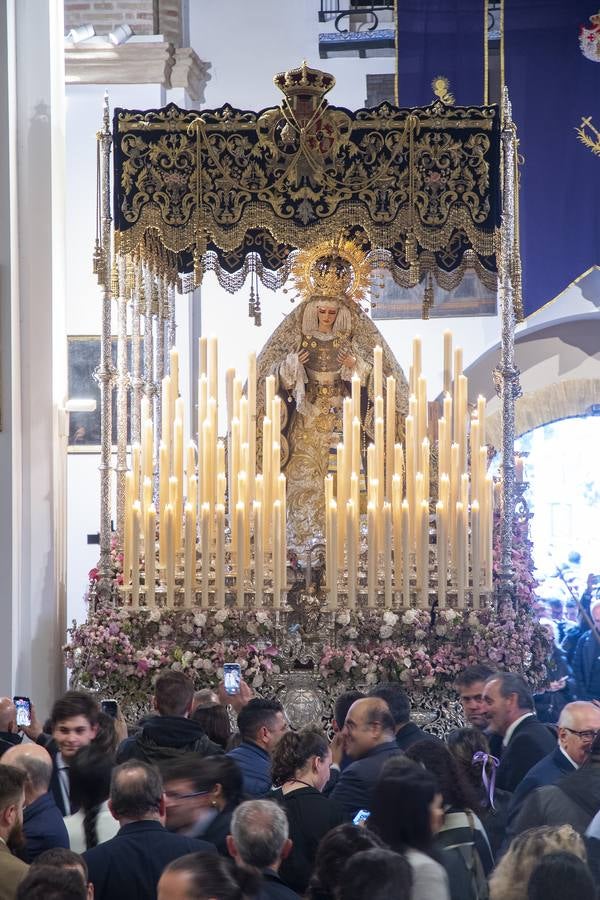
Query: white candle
[[474, 458], [425, 454], [351, 543], [447, 360], [252, 421], [481, 416], [387, 554], [150, 555], [422, 422], [397, 526], [166, 435], [371, 554], [269, 394], [443, 447], [489, 530], [259, 558], [460, 555], [189, 582], [276, 554], [442, 551], [356, 398], [380, 457], [237, 397], [170, 554], [205, 548], [220, 556], [416, 357], [267, 457], [147, 499], [127, 527], [390, 432], [405, 553], [213, 368], [136, 455], [332, 574], [240, 529], [347, 430], [377, 371], [202, 356], [229, 380], [475, 554], [136, 524], [202, 410], [174, 373]]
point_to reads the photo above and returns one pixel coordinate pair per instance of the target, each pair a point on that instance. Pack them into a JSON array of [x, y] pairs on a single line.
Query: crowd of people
[[185, 806]]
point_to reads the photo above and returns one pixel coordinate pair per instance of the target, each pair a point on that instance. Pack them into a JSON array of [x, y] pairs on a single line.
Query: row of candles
[[400, 505], [207, 517]]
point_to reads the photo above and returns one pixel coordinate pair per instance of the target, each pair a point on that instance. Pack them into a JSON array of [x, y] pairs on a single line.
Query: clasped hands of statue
[[344, 358]]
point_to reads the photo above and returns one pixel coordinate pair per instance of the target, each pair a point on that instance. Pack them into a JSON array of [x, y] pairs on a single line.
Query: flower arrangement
[[121, 650]]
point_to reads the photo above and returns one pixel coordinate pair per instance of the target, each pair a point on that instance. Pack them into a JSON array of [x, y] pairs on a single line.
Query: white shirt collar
[[511, 728], [564, 753]]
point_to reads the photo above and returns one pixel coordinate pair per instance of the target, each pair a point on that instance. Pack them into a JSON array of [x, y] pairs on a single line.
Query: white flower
[[164, 630], [390, 618], [352, 634], [429, 680], [262, 617], [371, 678], [258, 680], [385, 632], [219, 631], [251, 628], [187, 628], [410, 617], [176, 666], [155, 615], [405, 676], [407, 662], [199, 620], [440, 630], [275, 669], [450, 615], [473, 620], [221, 615], [187, 658], [343, 617]]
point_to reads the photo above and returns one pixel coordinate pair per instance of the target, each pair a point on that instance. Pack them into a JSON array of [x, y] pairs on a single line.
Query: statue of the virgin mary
[[314, 354]]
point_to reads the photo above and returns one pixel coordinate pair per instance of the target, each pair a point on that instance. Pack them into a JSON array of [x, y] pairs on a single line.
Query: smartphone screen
[[232, 677], [23, 705], [110, 708], [361, 817]]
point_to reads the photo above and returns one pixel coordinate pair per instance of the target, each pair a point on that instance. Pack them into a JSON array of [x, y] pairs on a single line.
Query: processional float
[[425, 193]]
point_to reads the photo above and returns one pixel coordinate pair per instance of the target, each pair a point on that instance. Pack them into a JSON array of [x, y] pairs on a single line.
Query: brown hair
[[510, 878], [72, 704], [173, 694], [293, 752], [214, 719]]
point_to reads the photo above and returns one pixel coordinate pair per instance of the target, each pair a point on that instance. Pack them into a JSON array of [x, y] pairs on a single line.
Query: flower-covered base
[[316, 654]]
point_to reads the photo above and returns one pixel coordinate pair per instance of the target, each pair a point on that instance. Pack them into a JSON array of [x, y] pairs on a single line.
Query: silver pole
[[506, 375]]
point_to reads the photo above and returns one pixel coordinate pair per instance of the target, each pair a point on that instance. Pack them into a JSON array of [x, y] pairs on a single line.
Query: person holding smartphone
[[9, 731]]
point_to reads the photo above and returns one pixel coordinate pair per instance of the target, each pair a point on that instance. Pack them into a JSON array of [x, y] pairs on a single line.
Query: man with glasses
[[578, 725]]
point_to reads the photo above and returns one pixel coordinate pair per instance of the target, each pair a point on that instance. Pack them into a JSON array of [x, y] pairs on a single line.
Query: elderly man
[[9, 732], [510, 713], [43, 824], [259, 839], [369, 740], [130, 864]]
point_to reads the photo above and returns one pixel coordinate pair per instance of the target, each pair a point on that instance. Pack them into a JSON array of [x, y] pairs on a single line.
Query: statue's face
[[326, 316]]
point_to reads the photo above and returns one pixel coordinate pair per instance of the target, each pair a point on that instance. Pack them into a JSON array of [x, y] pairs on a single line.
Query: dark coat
[[219, 828], [574, 800], [529, 743], [44, 828], [411, 734], [586, 667], [255, 764], [166, 737], [44, 740], [273, 888], [8, 740], [128, 867], [355, 785], [549, 770], [310, 815], [549, 704]]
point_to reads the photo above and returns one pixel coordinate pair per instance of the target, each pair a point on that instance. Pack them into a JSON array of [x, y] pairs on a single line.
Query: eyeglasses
[[173, 795], [582, 735]]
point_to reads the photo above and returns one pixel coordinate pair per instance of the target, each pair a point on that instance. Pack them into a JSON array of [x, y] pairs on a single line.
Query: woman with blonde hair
[[511, 877]]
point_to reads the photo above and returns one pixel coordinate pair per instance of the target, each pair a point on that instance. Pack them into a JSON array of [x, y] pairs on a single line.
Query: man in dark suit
[[525, 740], [43, 823], [407, 733], [260, 840], [369, 739], [578, 725], [130, 864]]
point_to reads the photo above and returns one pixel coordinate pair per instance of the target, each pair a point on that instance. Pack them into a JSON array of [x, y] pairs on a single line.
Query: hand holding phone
[[110, 707], [361, 817], [23, 707], [232, 678]]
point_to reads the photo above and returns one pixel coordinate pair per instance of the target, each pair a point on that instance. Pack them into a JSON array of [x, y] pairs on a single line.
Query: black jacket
[[411, 734], [166, 737], [44, 828], [574, 800], [273, 888], [549, 704], [219, 828], [128, 867], [355, 785], [586, 667], [310, 815], [529, 743], [549, 770], [8, 740]]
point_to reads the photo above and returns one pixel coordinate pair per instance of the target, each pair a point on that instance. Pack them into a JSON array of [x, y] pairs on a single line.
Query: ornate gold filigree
[[592, 143]]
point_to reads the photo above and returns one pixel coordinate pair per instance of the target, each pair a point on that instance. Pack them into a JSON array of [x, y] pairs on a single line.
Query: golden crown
[[304, 80], [337, 269]]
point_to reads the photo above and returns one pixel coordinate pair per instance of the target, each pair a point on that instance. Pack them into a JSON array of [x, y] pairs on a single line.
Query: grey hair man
[[260, 840], [510, 713], [131, 863], [43, 823]]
